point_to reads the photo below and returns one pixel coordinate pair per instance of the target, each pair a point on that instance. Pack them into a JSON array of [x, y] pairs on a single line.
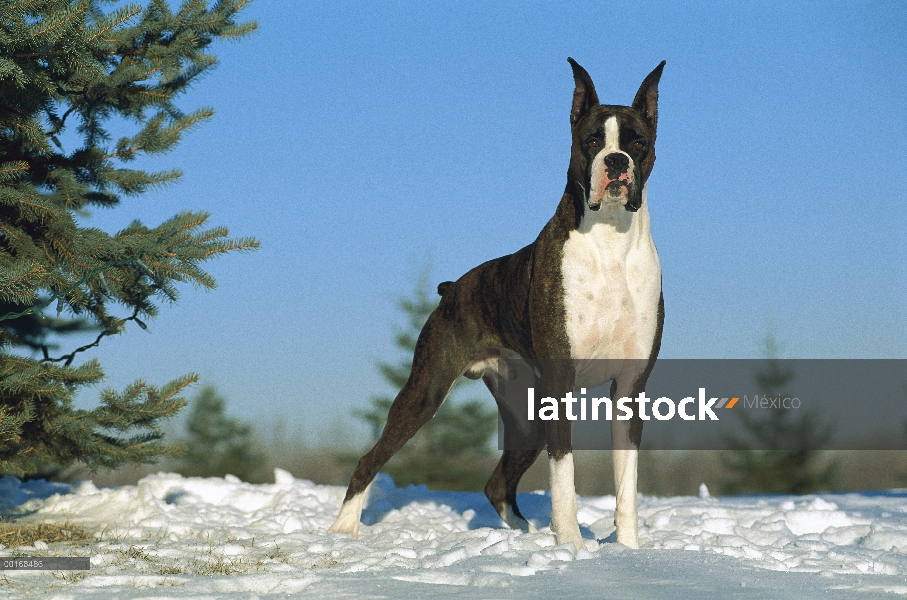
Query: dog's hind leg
[[521, 449], [431, 378], [523, 440], [501, 487]]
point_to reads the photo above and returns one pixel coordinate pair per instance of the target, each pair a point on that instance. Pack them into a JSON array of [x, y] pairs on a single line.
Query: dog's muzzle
[[614, 180]]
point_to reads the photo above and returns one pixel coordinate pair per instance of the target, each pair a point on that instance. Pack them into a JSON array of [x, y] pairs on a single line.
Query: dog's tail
[[444, 287]]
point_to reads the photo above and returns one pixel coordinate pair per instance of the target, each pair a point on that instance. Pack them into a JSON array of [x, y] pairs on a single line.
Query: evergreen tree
[[67, 70], [218, 445], [787, 461], [448, 451], [904, 474]]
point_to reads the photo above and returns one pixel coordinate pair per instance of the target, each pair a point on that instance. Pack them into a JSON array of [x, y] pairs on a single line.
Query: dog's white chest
[[612, 284]]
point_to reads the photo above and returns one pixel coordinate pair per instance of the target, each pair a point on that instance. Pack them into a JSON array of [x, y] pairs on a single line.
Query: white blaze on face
[[599, 190], [612, 137]]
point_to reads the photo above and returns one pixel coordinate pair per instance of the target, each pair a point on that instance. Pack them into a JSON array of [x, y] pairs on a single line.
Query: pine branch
[[63, 61], [67, 359], [37, 308], [118, 18]]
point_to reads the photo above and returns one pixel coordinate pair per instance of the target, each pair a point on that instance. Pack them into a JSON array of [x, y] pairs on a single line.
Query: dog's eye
[[639, 145], [593, 143]]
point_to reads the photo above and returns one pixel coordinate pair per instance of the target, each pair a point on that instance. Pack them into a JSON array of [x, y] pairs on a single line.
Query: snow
[[176, 537]]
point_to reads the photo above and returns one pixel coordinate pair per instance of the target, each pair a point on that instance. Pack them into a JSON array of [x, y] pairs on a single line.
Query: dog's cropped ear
[[584, 96], [646, 101]]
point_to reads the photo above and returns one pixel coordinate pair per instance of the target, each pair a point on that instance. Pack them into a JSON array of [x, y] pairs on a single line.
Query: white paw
[[627, 530], [628, 540], [350, 514], [573, 537], [515, 522], [345, 525]]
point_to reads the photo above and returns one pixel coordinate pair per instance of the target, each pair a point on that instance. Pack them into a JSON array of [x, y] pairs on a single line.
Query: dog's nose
[[617, 162]]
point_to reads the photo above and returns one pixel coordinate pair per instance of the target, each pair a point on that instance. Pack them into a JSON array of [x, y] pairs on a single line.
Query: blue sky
[[361, 142]]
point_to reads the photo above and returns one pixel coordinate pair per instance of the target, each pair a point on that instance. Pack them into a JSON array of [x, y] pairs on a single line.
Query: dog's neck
[[612, 228]]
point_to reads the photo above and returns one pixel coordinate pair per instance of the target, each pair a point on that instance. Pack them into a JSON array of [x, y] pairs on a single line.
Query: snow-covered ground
[[176, 537]]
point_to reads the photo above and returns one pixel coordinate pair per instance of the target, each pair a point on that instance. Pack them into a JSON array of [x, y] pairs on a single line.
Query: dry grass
[[13, 534]]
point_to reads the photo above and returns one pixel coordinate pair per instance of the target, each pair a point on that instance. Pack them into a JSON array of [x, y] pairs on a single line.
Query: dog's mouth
[[617, 188], [629, 205], [618, 191]]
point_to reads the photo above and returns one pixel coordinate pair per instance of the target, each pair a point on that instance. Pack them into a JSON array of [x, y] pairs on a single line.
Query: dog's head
[[613, 146]]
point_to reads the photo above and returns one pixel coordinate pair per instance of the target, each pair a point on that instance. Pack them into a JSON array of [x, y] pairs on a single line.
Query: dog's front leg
[[625, 438], [625, 463], [563, 490], [563, 500]]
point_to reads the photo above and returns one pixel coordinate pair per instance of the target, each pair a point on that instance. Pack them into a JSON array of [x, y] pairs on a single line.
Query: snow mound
[[237, 538]]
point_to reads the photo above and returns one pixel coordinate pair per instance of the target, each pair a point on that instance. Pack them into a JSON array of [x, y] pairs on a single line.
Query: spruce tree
[[787, 460], [69, 71], [449, 451], [218, 445]]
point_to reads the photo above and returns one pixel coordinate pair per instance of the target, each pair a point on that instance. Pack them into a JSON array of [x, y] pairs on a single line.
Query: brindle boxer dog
[[589, 287]]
